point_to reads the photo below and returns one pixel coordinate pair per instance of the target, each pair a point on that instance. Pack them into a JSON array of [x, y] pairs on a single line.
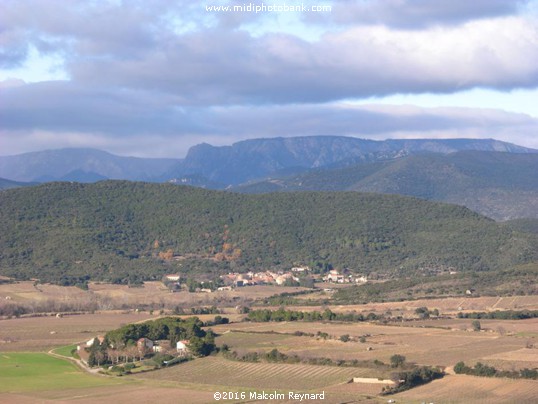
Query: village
[[296, 276]]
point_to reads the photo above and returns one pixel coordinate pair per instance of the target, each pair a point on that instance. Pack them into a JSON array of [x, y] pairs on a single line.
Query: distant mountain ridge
[[222, 166], [259, 158], [8, 184], [81, 165]]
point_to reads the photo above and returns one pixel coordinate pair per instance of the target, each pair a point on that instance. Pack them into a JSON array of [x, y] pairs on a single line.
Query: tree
[[476, 325], [423, 312], [202, 345], [460, 368], [397, 360]]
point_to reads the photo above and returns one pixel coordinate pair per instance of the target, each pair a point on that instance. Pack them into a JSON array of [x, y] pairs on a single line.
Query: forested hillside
[[123, 231], [499, 185]]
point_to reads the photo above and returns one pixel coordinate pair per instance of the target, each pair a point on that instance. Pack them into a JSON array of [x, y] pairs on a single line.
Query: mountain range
[[80, 165], [495, 178]]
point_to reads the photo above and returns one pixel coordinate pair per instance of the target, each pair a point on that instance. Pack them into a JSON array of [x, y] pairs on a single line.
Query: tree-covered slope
[[117, 231], [499, 185]]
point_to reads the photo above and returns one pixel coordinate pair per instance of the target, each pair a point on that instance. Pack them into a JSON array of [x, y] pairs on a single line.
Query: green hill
[[499, 185], [123, 231]]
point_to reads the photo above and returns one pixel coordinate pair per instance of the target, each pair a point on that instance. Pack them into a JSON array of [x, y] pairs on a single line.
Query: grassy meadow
[[32, 371]]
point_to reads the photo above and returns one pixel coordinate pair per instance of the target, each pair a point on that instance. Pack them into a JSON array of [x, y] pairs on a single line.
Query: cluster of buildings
[[144, 346], [233, 279], [334, 276], [263, 278]]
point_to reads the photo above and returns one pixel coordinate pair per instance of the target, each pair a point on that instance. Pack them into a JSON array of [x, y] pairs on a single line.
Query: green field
[[22, 372], [65, 350]]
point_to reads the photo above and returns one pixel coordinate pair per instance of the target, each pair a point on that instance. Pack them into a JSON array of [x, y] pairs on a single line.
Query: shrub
[[476, 325], [345, 338], [397, 360]]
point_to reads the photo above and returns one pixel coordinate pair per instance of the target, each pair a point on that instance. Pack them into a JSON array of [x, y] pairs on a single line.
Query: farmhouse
[[172, 277], [182, 348], [144, 343], [335, 276], [161, 346], [300, 269], [361, 279], [99, 338]]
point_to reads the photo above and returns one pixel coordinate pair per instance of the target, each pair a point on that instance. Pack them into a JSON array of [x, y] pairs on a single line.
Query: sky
[[152, 78]]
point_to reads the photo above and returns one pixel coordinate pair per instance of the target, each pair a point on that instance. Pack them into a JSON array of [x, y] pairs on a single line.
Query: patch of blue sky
[[519, 101], [37, 67]]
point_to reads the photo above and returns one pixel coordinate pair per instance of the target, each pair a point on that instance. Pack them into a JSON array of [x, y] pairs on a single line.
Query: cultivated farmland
[[505, 344], [470, 389], [425, 346], [217, 371]]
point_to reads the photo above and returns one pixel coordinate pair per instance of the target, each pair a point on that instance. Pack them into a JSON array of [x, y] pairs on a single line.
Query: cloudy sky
[[154, 77]]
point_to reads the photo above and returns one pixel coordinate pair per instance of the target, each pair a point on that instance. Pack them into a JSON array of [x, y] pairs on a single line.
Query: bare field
[[156, 292], [44, 333], [26, 291], [470, 389], [450, 305], [109, 296], [425, 346], [514, 327]]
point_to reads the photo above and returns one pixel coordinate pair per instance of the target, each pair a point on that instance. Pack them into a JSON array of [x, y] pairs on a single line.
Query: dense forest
[[125, 232]]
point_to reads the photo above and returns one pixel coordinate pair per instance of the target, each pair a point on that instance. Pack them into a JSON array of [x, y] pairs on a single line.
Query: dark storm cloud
[[62, 106], [120, 116]]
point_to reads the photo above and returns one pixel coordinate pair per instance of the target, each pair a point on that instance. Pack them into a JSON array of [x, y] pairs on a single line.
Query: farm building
[[181, 347], [144, 343], [161, 346], [99, 338]]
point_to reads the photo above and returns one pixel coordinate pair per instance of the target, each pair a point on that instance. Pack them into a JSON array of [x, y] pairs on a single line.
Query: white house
[[100, 338], [300, 269], [181, 347]]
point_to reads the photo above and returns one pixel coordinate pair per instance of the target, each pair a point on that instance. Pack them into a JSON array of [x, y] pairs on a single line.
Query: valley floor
[[29, 375]]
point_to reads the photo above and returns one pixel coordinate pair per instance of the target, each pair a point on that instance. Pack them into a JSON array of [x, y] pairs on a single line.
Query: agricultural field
[[447, 306], [105, 296], [48, 332], [470, 389], [217, 371], [422, 345], [505, 344], [31, 372], [38, 377]]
